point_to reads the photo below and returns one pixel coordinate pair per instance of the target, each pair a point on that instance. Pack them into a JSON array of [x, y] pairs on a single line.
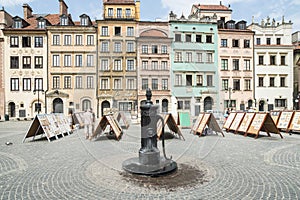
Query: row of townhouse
[[205, 61]]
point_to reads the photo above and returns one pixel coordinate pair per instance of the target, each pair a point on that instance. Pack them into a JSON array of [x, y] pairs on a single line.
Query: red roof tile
[[212, 7]]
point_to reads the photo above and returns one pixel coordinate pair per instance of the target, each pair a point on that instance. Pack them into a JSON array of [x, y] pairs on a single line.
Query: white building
[[273, 58]]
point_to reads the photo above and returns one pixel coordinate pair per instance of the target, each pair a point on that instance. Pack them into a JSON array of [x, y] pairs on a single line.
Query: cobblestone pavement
[[210, 167]]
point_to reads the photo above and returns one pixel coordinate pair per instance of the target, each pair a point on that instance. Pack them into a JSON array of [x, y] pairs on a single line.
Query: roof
[[212, 7], [118, 1]]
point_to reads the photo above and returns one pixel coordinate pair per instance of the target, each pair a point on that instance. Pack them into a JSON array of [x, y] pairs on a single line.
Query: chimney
[[27, 11], [63, 8]]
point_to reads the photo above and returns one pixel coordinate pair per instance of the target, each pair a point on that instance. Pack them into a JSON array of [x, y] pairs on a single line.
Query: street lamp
[[38, 103]]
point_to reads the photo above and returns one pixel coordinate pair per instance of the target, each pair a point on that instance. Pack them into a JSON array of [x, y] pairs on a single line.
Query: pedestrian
[[226, 114], [89, 119], [70, 120]]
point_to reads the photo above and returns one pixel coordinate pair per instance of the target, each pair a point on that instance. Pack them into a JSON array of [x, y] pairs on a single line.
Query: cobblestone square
[[209, 167]]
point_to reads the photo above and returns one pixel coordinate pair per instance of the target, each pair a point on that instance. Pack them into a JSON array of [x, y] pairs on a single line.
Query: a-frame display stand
[[207, 121], [236, 122], [284, 121], [229, 121], [295, 123], [114, 127], [170, 122], [120, 116]]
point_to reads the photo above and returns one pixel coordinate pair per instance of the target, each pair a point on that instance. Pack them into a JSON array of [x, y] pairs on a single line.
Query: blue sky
[[153, 9]]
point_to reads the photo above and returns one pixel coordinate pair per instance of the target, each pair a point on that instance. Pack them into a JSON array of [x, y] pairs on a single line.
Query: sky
[[159, 9]]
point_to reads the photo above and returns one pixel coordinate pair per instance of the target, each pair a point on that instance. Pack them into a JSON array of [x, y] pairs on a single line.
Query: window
[[78, 39], [67, 82], [154, 65], [278, 41], [56, 39], [117, 31], [117, 65], [38, 84], [38, 41], [56, 82], [199, 80], [164, 65], [247, 85], [247, 66], [104, 47], [26, 84], [180, 105], [223, 42], [90, 40], [144, 84], [14, 84], [164, 84], [272, 82], [67, 61], [89, 82], [14, 62], [209, 57], [246, 43], [154, 49], [178, 79], [38, 62], [188, 56], [78, 60], [280, 102], [67, 40], [119, 12], [188, 38], [272, 60], [118, 47], [260, 60], [235, 64], [117, 84], [268, 41], [78, 82], [154, 84], [130, 47], [224, 64], [199, 57], [18, 23], [144, 49], [104, 65], [198, 38], [104, 31], [260, 81], [178, 57], [104, 84], [282, 81], [224, 84], [144, 65], [209, 79], [110, 12], [26, 41], [258, 41], [131, 84], [164, 49], [84, 21], [177, 37], [130, 65], [26, 62], [235, 43], [187, 105], [236, 84], [55, 61], [130, 31], [282, 60], [14, 41], [209, 39], [64, 20], [189, 80], [128, 12]]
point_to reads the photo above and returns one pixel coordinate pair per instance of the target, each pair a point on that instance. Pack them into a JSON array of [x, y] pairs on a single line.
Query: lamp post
[[38, 93]]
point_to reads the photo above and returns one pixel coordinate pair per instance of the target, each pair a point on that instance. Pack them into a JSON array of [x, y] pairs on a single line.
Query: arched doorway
[[250, 104], [12, 109], [261, 105], [58, 105], [164, 105], [86, 104], [104, 105], [208, 103]]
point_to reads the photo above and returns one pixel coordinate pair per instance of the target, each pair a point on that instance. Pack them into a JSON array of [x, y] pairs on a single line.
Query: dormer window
[[18, 23], [84, 20], [230, 25], [64, 20], [41, 22]]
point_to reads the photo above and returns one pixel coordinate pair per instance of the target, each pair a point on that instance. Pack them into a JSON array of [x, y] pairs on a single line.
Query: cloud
[[11, 3]]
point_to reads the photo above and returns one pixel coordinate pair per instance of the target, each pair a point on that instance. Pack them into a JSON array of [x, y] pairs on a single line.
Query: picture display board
[[262, 122], [197, 122], [295, 123], [50, 125], [171, 123], [208, 120], [121, 116], [229, 120], [184, 119], [285, 119], [247, 119], [237, 121], [114, 126], [275, 116], [79, 119]]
